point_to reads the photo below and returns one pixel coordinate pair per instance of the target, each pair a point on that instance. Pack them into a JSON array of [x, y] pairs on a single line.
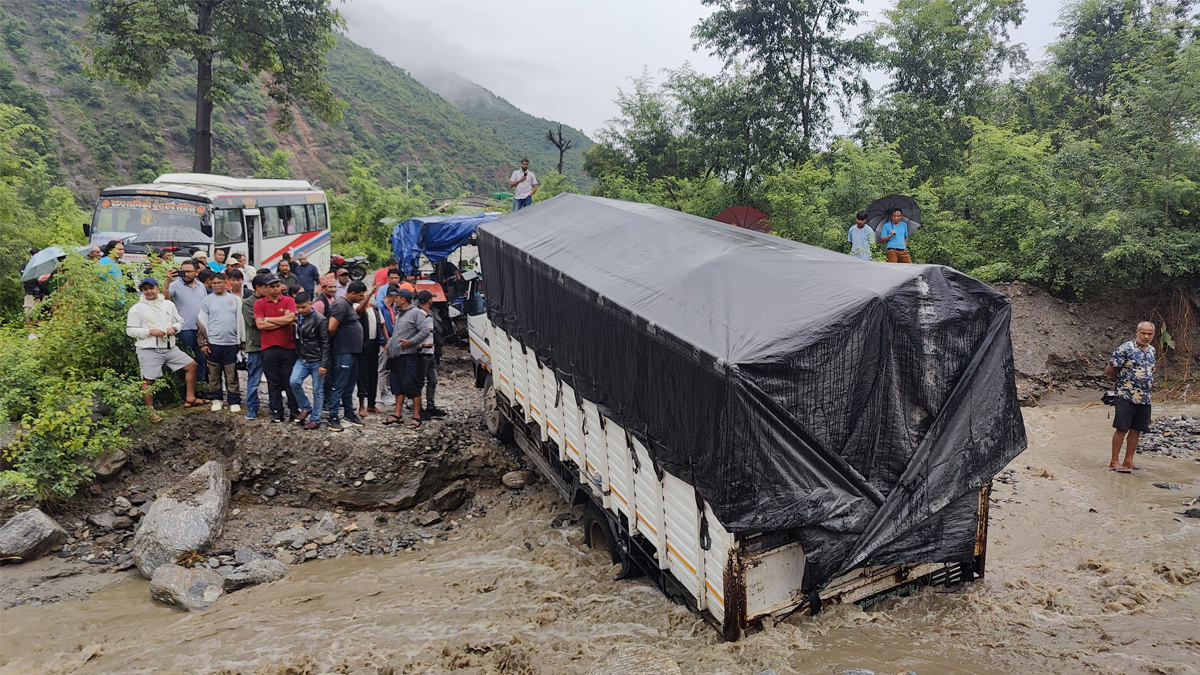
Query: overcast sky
[[565, 59]]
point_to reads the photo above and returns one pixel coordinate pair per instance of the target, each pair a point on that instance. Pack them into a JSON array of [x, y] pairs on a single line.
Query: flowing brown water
[[1088, 572]]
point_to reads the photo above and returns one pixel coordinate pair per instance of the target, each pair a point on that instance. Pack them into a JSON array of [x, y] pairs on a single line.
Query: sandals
[[194, 403], [155, 419], [415, 424], [1120, 469], [392, 419]]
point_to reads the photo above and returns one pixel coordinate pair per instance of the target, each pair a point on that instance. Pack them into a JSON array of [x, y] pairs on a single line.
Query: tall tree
[[945, 58], [796, 50], [559, 142], [232, 42]]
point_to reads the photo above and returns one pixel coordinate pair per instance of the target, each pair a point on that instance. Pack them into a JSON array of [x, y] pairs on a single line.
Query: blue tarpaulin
[[436, 238]]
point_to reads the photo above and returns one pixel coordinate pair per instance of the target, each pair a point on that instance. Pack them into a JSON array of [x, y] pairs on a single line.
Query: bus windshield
[[134, 214]]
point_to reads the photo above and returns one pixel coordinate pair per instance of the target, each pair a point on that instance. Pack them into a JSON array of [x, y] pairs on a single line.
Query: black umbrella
[[880, 211], [178, 235]]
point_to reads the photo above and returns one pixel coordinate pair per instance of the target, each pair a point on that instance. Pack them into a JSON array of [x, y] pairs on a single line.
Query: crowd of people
[[355, 348]]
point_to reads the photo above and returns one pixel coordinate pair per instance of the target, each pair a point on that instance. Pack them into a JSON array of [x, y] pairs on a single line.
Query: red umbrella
[[747, 217]]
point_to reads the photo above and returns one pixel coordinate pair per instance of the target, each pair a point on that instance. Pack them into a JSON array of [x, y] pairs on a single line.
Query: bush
[[71, 382]]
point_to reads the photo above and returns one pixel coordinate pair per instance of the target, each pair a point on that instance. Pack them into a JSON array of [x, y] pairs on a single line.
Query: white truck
[[650, 516]]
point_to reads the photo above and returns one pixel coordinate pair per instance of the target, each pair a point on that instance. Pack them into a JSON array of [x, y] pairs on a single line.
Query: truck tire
[[496, 424], [598, 534]]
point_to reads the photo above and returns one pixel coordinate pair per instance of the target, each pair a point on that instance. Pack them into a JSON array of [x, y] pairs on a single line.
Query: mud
[[1060, 348], [1088, 572]]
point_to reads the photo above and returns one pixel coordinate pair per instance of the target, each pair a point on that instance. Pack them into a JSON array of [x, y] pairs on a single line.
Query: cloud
[[565, 59]]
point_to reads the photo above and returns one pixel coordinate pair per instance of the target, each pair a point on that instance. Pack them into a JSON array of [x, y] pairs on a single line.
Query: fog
[[565, 59]]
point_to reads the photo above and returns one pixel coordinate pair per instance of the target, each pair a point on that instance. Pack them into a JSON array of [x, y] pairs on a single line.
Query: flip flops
[[1120, 469]]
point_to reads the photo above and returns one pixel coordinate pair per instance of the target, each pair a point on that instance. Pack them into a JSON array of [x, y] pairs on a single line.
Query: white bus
[[262, 218]]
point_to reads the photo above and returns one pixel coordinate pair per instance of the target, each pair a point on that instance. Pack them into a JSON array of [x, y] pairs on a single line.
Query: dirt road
[[1088, 572]]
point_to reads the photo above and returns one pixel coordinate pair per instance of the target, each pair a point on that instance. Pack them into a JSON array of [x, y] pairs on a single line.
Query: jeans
[[188, 338], [519, 204], [431, 382], [277, 366], [345, 376], [254, 375], [300, 371], [222, 359], [368, 373]]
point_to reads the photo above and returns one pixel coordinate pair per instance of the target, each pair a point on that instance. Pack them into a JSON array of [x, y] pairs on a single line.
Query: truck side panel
[[649, 504], [533, 395], [572, 427], [518, 378], [501, 360]]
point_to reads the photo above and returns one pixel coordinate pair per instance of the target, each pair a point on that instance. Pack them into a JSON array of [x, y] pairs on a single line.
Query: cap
[[265, 279], [424, 296], [343, 270], [393, 289], [200, 253], [148, 281], [406, 294], [327, 279]]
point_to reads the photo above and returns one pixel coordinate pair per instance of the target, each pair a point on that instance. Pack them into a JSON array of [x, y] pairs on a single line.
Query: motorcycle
[[355, 265]]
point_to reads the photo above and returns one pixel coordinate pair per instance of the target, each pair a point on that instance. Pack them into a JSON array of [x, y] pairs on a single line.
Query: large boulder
[[30, 535], [189, 517], [632, 659], [261, 571], [451, 497], [189, 589]]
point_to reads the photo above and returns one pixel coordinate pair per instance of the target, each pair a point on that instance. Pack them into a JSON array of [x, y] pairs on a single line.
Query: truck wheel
[[496, 424], [598, 534]]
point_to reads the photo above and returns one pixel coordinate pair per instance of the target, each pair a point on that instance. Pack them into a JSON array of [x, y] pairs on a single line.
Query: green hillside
[[108, 135], [524, 132]]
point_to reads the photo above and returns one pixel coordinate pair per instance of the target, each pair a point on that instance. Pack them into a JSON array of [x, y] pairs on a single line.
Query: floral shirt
[[1135, 372]]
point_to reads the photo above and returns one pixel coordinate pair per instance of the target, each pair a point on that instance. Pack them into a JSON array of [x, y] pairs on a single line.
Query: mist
[[565, 60]]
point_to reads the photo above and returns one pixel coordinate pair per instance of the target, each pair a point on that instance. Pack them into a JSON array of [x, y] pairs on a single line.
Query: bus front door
[[253, 235]]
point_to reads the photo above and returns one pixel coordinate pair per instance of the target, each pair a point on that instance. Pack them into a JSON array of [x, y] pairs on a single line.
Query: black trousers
[[277, 366], [368, 372]]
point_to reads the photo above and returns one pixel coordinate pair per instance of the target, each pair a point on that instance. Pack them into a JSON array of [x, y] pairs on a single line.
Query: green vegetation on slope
[[107, 134]]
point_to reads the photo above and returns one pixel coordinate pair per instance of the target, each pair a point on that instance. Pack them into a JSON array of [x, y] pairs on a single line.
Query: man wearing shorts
[[154, 322], [1132, 364], [404, 349]]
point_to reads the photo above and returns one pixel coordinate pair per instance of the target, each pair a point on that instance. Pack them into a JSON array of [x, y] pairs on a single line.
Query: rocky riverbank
[[295, 495]]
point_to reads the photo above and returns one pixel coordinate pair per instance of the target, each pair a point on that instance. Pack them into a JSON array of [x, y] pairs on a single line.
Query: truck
[[758, 426]]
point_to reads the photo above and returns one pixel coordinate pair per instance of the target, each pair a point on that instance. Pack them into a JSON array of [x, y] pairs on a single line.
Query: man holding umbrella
[[895, 234]]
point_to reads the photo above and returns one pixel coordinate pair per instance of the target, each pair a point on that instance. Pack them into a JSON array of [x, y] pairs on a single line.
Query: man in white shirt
[[524, 185], [154, 322]]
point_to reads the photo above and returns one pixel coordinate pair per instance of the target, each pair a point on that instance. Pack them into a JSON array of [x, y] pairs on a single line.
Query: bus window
[[316, 218], [298, 218], [227, 227], [272, 222]]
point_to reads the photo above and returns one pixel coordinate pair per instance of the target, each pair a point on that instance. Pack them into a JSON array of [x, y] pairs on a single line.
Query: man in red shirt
[[274, 315], [381, 275]]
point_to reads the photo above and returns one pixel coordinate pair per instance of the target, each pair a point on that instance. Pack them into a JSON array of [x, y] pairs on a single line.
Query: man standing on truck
[[524, 185], [1132, 364], [860, 237], [895, 233]]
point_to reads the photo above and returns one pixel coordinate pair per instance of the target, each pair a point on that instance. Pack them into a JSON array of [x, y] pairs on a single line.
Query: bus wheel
[[496, 424]]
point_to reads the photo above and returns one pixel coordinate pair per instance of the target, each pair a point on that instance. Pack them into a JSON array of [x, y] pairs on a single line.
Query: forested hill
[[524, 132], [108, 135]]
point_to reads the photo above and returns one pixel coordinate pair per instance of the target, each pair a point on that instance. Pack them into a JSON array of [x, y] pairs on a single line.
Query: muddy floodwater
[[1087, 572]]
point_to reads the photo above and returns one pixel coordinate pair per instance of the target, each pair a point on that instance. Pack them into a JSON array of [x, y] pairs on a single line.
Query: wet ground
[[1088, 572]]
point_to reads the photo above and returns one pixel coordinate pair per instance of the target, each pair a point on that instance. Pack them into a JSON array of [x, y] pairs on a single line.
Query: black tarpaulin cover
[[863, 403]]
